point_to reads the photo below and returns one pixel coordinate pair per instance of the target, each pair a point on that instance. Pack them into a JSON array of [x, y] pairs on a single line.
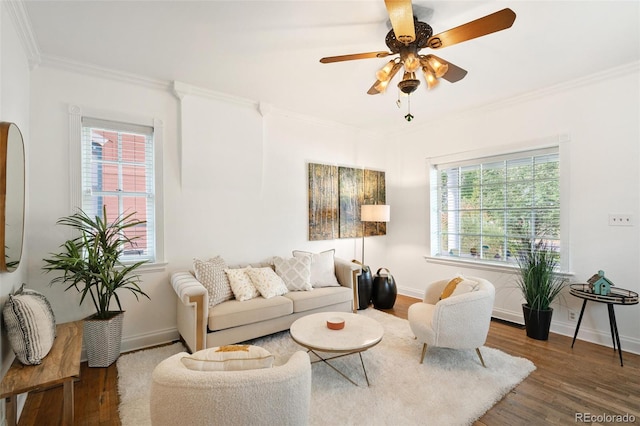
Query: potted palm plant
[[540, 284], [91, 264]]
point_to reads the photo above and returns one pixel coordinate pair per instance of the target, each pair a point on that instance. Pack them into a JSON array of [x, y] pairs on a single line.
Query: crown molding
[[102, 72], [20, 17]]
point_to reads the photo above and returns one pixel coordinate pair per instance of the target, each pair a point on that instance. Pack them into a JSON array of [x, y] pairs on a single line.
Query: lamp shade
[[375, 213]]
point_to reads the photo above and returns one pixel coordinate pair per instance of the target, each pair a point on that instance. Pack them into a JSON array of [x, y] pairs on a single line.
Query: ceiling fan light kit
[[408, 36]]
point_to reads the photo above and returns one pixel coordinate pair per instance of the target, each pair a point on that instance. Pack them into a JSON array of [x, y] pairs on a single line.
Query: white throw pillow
[[457, 286], [268, 283], [241, 285], [295, 272], [212, 276], [323, 272], [229, 358], [31, 325]]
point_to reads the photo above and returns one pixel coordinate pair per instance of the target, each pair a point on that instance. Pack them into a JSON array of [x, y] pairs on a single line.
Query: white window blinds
[[488, 208], [118, 173]]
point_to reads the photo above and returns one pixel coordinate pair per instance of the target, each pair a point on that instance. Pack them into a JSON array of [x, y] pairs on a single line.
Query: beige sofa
[[232, 321]]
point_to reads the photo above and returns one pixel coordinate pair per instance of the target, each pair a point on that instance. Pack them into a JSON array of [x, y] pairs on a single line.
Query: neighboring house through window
[[118, 172]]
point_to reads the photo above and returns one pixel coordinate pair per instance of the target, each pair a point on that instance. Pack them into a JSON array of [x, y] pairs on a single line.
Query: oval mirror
[[11, 196]]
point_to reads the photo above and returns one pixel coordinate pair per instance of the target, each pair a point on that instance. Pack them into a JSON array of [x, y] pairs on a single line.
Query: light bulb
[[383, 73], [411, 63], [439, 68], [381, 86], [431, 79]]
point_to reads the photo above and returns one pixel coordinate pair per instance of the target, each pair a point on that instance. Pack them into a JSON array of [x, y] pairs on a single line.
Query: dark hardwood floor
[[587, 379]]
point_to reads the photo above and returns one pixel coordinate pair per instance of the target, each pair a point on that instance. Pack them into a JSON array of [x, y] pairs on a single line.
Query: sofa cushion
[[212, 276], [241, 285], [234, 313], [31, 325], [268, 283], [319, 298], [295, 272], [229, 358], [323, 271]]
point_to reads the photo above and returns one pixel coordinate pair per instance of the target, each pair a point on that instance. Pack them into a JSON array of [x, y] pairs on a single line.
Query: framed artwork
[[335, 196], [323, 202]]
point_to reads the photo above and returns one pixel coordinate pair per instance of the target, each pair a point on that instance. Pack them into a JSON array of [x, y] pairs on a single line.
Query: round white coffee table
[[359, 334]]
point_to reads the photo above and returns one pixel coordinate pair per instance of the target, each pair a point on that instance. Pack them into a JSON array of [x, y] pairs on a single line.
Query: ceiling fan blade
[[401, 17], [373, 90], [330, 59], [497, 21], [454, 73]]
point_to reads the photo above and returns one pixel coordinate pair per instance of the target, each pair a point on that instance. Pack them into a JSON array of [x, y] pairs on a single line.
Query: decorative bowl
[[335, 323]]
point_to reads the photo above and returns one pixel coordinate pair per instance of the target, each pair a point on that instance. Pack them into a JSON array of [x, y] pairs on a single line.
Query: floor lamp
[[373, 213]]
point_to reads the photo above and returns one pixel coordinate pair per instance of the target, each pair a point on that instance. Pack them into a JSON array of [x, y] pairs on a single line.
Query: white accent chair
[[456, 322], [279, 395]]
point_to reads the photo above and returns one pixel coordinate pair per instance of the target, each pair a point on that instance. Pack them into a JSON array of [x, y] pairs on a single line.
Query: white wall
[[235, 184], [14, 107], [600, 115]]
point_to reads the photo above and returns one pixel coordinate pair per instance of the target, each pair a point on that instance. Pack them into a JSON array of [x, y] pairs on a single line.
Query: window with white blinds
[[489, 208], [118, 173]]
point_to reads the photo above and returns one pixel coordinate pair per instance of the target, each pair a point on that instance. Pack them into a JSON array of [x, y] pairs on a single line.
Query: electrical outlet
[[620, 220], [573, 316]]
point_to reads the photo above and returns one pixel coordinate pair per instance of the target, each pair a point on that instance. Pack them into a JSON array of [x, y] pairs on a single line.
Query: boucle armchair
[[268, 396], [459, 321]]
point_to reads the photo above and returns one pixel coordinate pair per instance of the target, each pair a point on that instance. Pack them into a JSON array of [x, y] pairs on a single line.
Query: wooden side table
[[617, 296], [60, 366]]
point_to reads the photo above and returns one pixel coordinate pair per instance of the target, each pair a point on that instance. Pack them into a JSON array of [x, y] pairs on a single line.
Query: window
[[117, 173], [485, 209]]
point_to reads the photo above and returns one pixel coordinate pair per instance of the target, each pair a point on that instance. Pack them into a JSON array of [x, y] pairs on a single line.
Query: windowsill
[[148, 268], [486, 265]]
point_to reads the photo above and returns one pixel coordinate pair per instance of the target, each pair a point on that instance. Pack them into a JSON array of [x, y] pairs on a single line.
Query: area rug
[[449, 388]]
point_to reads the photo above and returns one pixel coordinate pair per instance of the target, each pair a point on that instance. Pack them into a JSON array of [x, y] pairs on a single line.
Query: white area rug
[[450, 388]]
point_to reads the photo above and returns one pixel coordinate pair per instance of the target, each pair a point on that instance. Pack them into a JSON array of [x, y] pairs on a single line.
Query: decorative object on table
[[615, 296], [335, 323], [384, 290], [599, 284], [365, 286], [91, 264], [540, 284]]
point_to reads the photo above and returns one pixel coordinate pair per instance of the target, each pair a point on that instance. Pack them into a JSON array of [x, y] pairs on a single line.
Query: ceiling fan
[[408, 36]]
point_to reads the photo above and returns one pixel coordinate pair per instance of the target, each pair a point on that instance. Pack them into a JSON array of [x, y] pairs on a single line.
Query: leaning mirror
[[11, 196]]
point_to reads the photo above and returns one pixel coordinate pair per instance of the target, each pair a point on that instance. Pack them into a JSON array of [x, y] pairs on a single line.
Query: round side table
[[617, 296]]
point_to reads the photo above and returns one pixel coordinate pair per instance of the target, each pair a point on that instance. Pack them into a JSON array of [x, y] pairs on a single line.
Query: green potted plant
[[91, 264], [540, 284]]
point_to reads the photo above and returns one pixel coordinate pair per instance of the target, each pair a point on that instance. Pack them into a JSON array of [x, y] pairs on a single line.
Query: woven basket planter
[[102, 338]]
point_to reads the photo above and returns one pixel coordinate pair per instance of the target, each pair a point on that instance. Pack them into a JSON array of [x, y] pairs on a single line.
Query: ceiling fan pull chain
[[408, 117]]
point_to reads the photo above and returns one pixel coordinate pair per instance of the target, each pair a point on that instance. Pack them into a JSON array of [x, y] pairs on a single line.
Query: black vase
[[365, 284], [537, 323], [384, 290]]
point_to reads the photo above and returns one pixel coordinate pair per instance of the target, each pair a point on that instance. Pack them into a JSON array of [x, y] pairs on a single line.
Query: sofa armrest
[[192, 309], [347, 274]]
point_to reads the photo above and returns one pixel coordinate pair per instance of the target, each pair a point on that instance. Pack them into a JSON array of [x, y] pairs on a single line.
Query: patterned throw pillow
[[241, 285], [295, 272], [212, 276], [229, 358], [268, 283], [31, 325], [323, 273]]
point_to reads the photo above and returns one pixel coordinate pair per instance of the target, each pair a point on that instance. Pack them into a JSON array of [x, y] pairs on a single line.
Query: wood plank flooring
[[586, 379]]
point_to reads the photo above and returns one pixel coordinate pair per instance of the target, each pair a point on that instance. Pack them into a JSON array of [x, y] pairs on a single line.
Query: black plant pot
[[384, 290], [537, 322], [365, 285]]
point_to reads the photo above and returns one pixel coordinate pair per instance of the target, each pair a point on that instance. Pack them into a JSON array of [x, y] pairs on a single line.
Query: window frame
[[76, 113], [561, 142]]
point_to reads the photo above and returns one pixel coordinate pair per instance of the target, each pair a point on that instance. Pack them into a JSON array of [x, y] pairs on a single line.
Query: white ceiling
[[268, 51]]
